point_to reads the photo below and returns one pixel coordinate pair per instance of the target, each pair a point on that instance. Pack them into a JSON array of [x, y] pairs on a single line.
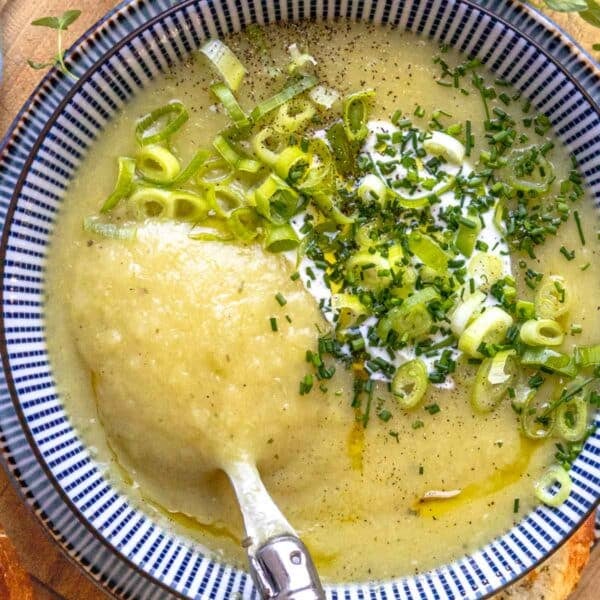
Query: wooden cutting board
[[52, 574]]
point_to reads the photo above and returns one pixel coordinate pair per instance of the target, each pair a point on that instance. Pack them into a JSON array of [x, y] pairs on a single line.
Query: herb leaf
[[68, 18], [59, 23], [592, 14], [51, 22], [567, 5], [40, 65]]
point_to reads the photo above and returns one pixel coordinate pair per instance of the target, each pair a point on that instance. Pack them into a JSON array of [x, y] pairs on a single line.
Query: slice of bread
[[557, 577], [14, 582]]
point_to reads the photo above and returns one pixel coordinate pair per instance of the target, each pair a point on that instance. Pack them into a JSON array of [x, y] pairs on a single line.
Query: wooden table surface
[[52, 574]]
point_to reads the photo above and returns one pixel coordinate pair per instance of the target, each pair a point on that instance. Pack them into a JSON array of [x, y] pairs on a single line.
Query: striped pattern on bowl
[[116, 543]]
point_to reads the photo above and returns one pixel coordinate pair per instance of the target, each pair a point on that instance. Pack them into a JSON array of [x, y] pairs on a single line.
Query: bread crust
[[14, 582], [558, 576]]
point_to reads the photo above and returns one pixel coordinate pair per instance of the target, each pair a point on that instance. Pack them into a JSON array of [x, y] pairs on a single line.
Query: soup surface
[[174, 355]]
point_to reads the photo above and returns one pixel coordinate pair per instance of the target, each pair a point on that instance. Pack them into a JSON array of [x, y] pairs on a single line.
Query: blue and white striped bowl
[[118, 545]]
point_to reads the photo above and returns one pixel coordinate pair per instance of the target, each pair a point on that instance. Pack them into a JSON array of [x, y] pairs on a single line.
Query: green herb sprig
[[59, 24], [588, 10]]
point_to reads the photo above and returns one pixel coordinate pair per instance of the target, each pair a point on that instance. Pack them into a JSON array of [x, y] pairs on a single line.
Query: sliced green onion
[[411, 318], [125, 175], [550, 359], [486, 269], [534, 181], [224, 199], [494, 377], [408, 278], [572, 419], [292, 164], [499, 217], [341, 148], [525, 310], [109, 230], [442, 144], [586, 356], [187, 206], [421, 200], [466, 236], [157, 164], [276, 200], [325, 204], [355, 111], [244, 223], [299, 59], [280, 238], [293, 116], [225, 62], [212, 230], [372, 189], [234, 110], [149, 202], [261, 147], [160, 124], [428, 251], [367, 235], [323, 96], [291, 91], [554, 475], [236, 159], [465, 310], [522, 395], [319, 175], [536, 422], [371, 271], [490, 327], [542, 332], [350, 310], [409, 383], [553, 298], [215, 170]]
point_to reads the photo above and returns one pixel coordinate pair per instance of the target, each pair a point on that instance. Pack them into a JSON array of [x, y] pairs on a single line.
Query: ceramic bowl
[[117, 544]]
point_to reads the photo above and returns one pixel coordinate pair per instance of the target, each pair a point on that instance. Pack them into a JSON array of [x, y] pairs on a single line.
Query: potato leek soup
[[351, 256]]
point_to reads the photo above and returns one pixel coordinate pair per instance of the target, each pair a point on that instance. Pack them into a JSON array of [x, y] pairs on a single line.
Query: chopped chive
[[288, 318], [385, 415], [280, 299], [417, 424], [432, 409], [273, 322], [468, 138], [568, 254], [516, 506], [421, 470], [579, 229], [295, 276], [586, 266], [306, 384]]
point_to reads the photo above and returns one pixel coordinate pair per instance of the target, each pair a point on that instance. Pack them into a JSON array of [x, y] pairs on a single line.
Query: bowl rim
[[52, 78]]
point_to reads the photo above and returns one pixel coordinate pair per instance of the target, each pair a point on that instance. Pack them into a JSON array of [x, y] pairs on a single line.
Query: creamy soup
[[176, 355]]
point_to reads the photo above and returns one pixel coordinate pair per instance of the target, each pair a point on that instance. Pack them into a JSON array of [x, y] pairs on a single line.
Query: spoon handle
[[282, 569], [280, 564]]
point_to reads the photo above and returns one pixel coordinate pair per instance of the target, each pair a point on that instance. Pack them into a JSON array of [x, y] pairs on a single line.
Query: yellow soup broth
[[161, 344]]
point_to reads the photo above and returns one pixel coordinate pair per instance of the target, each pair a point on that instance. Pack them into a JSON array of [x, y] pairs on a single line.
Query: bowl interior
[[99, 527]]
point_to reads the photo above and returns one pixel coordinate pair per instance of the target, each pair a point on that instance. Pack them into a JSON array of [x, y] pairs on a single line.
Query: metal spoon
[[280, 564]]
